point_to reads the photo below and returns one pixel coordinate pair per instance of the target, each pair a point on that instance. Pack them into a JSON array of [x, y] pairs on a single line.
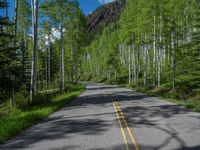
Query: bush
[[44, 98], [161, 91], [173, 94], [68, 87], [21, 100], [196, 97], [18, 120]]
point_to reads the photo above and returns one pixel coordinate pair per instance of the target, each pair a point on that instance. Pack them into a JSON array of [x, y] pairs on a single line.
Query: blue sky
[[89, 5], [86, 5]]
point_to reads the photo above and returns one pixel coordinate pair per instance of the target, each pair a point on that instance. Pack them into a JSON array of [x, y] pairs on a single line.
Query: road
[[107, 117]]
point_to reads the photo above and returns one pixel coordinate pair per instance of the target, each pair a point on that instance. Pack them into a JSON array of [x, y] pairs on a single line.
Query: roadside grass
[[186, 94], [192, 103], [18, 120]]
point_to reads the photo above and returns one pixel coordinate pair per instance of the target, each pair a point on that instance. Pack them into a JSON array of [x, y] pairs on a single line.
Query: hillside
[[147, 50], [103, 16]]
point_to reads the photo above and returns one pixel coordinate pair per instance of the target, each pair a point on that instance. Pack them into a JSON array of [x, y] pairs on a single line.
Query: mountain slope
[[103, 16]]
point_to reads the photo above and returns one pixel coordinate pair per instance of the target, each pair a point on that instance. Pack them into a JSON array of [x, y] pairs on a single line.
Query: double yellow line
[[121, 117]]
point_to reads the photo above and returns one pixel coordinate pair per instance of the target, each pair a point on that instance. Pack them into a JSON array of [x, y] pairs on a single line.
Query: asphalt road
[[106, 117]]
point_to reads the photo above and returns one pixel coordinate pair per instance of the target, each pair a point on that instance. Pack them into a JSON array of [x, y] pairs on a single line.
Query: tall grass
[[19, 119]]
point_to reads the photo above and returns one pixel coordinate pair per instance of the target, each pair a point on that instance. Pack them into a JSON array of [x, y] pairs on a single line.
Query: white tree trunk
[[161, 46], [72, 55], [134, 66], [16, 16], [62, 72], [33, 88], [46, 68], [173, 58], [154, 49], [76, 80], [145, 65], [49, 61], [129, 65]]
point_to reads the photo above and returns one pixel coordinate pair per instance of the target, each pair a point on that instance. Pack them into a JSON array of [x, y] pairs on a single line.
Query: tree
[[7, 54], [158, 44], [33, 89]]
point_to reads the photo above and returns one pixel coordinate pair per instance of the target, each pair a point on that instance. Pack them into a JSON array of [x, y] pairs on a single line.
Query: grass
[[187, 99], [192, 103], [18, 120]]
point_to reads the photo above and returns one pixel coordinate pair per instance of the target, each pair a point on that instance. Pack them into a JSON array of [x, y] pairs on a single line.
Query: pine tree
[[7, 53]]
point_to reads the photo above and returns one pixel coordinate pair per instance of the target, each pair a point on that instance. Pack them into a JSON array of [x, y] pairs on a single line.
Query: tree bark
[[76, 80], [62, 69], [161, 46], [49, 61], [46, 68], [35, 40], [129, 65], [145, 65], [173, 58], [16, 16], [154, 48], [72, 64]]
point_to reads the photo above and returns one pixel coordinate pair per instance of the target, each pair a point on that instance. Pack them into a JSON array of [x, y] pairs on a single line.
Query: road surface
[[106, 117]]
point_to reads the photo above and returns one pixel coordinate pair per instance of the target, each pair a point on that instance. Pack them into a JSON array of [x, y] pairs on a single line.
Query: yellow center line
[[120, 124], [127, 127]]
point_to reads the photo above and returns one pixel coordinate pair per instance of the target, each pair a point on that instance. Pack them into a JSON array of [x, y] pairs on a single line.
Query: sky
[[86, 5]]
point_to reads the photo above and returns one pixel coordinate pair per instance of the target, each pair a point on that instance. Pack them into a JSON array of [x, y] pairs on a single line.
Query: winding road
[[107, 117]]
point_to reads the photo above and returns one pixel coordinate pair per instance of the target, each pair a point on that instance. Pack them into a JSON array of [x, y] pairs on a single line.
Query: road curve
[[107, 117]]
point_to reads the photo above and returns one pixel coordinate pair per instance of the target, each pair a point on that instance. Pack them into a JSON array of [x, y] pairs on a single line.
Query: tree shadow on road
[[140, 111], [56, 128]]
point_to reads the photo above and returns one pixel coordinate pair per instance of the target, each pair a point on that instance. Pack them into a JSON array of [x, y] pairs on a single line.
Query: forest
[[40, 51], [49, 46], [153, 47], [39, 46]]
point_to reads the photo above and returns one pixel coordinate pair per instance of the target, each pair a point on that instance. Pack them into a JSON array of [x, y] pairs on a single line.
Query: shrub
[[68, 87], [21, 100], [161, 91], [173, 94], [44, 98]]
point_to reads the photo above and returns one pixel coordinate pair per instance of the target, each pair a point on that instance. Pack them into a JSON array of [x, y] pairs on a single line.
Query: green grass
[[192, 103], [18, 120]]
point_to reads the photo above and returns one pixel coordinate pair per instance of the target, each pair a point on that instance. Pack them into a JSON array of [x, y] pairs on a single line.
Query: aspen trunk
[[145, 66], [161, 48], [33, 88], [134, 66], [173, 59], [154, 49], [76, 80], [49, 61], [129, 63], [76, 65], [46, 68], [72, 55], [62, 69], [16, 16]]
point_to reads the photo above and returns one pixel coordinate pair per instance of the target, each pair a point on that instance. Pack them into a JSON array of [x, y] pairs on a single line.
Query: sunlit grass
[[192, 103], [18, 120]]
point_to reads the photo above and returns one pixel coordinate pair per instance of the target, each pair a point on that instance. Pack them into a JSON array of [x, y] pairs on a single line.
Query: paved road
[[105, 117]]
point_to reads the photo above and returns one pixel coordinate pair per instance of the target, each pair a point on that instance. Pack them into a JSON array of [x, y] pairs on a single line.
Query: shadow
[[190, 148], [56, 128], [121, 147], [88, 115], [101, 88]]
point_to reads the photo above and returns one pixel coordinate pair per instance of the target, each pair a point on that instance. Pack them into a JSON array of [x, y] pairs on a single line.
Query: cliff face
[[103, 16]]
